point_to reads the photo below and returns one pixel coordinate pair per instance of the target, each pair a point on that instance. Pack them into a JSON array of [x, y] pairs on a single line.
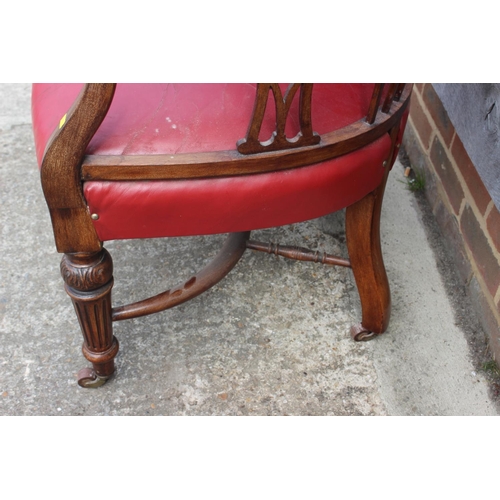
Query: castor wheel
[[89, 379], [360, 334]]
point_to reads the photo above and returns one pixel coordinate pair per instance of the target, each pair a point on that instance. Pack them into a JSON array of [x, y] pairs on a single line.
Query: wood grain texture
[[60, 170], [365, 253], [390, 97], [399, 91], [362, 226], [278, 139], [88, 281], [375, 103], [298, 253]]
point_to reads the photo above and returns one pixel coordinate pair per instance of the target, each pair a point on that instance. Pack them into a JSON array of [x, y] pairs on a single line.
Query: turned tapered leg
[[88, 281], [365, 253]]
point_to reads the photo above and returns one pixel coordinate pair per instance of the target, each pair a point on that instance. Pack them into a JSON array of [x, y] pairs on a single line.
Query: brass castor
[[360, 334], [89, 379]]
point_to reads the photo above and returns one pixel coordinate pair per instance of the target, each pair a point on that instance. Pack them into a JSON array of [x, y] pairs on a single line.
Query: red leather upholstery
[[208, 206], [174, 118], [180, 118]]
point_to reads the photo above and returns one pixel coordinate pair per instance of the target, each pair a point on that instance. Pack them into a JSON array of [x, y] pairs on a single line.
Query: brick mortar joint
[[491, 299], [493, 302], [488, 210], [433, 125], [447, 149], [443, 196], [464, 185], [481, 219], [497, 298], [463, 204], [417, 97], [425, 151], [484, 228], [474, 263], [491, 206]]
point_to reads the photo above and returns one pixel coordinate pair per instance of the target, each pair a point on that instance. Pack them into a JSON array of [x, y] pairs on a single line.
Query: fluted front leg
[[88, 281]]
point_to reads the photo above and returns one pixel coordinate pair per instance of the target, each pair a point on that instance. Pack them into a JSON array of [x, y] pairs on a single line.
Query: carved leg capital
[[87, 272]]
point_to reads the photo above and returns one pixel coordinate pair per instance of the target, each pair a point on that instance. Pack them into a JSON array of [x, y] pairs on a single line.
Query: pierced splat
[[278, 139], [393, 94]]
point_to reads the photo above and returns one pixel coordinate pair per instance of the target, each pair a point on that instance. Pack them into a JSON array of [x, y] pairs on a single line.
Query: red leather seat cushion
[[210, 206], [174, 118]]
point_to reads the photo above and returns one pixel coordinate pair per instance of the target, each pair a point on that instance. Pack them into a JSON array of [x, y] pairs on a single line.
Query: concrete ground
[[272, 338]]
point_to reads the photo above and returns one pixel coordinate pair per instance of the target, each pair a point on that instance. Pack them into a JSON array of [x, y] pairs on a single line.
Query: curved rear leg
[[365, 253]]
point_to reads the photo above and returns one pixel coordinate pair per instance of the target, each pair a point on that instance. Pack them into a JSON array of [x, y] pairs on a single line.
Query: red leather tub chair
[[162, 160]]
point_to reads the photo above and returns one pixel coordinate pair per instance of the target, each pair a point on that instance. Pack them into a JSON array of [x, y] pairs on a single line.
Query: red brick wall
[[469, 220]]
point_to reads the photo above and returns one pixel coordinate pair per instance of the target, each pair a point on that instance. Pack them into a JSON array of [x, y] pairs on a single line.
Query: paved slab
[[270, 339]]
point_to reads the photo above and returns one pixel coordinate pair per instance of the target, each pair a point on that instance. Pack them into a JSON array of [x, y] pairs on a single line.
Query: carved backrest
[[306, 135], [278, 140]]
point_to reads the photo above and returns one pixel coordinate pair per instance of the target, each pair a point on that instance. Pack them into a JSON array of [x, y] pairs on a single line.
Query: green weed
[[491, 368], [416, 181]]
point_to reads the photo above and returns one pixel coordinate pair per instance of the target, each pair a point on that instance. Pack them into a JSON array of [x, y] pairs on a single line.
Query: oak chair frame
[[87, 267]]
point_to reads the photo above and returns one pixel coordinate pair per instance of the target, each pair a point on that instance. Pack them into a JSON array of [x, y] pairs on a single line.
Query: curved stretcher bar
[[212, 273]]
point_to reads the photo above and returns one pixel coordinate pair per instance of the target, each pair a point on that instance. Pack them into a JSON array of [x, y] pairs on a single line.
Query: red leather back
[[175, 118]]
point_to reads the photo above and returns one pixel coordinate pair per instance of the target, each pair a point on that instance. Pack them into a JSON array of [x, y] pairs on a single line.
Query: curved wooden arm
[[61, 165]]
